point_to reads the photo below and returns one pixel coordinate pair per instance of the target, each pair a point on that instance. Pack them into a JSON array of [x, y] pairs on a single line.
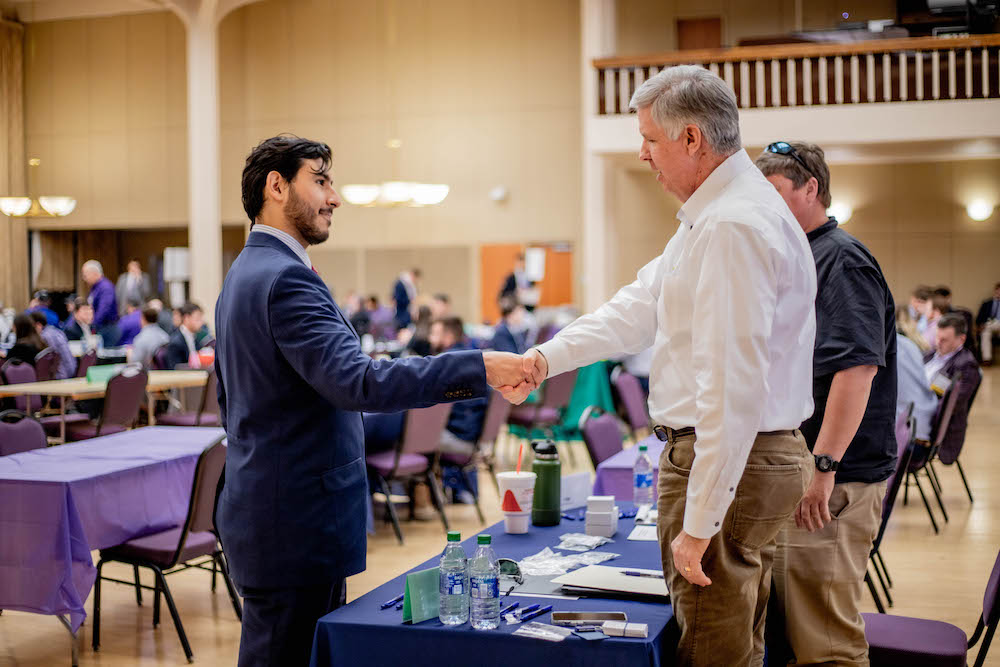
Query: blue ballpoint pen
[[528, 610], [506, 610], [390, 603], [544, 610]]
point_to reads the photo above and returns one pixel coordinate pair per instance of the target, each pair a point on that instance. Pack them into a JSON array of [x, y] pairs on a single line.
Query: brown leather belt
[[667, 434]]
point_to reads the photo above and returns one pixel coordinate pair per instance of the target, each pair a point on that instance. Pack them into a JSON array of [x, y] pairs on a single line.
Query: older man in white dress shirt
[[729, 311]]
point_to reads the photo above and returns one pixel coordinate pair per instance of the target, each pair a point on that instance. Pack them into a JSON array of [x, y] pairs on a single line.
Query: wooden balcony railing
[[790, 75]]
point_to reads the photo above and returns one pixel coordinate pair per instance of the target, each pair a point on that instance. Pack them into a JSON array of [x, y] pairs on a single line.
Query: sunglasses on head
[[785, 148]]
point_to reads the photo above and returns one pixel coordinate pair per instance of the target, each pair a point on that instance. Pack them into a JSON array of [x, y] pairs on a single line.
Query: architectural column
[[14, 286], [597, 39]]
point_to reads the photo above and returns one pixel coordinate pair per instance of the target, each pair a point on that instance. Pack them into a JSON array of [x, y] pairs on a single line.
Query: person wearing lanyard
[[822, 556], [728, 310]]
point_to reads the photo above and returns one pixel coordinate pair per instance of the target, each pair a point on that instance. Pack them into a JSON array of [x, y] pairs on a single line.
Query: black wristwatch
[[825, 463]]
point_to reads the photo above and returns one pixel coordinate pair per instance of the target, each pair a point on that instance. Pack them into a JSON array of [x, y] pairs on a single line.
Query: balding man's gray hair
[[691, 95], [94, 265]]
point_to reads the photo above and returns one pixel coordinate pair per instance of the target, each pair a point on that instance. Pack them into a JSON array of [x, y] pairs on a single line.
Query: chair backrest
[[497, 413], [201, 509], [905, 428], [422, 429], [46, 364], [991, 610], [945, 410], [210, 397], [601, 434], [20, 433], [124, 396], [17, 371], [558, 390], [159, 361], [88, 359], [633, 399]]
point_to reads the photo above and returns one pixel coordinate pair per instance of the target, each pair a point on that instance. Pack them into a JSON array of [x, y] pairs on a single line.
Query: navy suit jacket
[[292, 384], [402, 299], [505, 340], [963, 370], [177, 350]]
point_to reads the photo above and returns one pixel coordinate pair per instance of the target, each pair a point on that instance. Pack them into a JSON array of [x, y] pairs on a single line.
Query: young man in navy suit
[[292, 384]]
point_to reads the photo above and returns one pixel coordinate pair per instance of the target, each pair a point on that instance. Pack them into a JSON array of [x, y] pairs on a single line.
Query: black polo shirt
[[855, 326]]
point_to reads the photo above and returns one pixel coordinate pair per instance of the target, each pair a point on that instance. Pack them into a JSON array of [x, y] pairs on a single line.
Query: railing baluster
[[855, 74], [838, 79], [952, 75], [807, 82], [936, 75], [903, 80], [792, 83], [761, 100], [824, 83], [744, 84], [775, 84], [870, 71], [920, 75], [886, 78], [714, 69], [968, 73], [727, 70], [986, 73]]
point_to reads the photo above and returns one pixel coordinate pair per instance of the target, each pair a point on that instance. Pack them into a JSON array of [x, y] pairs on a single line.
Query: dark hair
[[189, 308], [953, 321], [80, 302], [939, 303], [25, 332], [416, 273], [943, 290], [372, 298], [442, 297], [150, 315], [284, 154], [452, 325], [39, 318], [507, 306], [134, 259], [922, 292], [135, 303], [43, 296], [787, 166]]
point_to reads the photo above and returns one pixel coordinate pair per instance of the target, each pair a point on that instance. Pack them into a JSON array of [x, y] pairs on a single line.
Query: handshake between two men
[[515, 375]]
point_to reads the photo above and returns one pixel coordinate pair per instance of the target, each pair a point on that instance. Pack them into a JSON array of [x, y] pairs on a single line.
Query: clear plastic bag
[[582, 542], [548, 562], [549, 633]]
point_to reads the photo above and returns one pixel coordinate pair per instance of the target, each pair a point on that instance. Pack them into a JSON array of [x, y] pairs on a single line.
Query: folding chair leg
[[233, 597], [906, 488], [390, 507], [935, 480], [491, 466], [981, 657], [138, 588], [437, 497], [923, 496], [173, 614], [885, 588], [467, 480], [958, 464], [937, 495], [215, 569], [885, 570], [871, 589], [156, 602], [95, 640]]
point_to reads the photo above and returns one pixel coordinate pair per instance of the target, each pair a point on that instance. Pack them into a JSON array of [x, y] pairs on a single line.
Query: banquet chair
[[207, 412], [193, 544], [601, 434], [20, 433], [88, 359], [122, 400], [633, 402], [17, 371]]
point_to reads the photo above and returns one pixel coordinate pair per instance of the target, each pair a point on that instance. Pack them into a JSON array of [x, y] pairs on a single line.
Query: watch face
[[824, 463]]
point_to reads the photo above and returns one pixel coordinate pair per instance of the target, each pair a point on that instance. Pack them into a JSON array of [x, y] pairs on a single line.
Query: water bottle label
[[485, 586], [644, 480], [452, 583]]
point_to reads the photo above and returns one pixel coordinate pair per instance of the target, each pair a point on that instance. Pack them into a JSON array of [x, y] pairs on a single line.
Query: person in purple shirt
[[56, 339], [102, 298], [131, 323]]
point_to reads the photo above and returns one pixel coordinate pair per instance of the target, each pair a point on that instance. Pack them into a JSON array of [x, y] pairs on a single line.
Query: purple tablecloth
[[58, 504], [614, 475]]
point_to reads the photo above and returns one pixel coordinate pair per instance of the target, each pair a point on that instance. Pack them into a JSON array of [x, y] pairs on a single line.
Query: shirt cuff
[[700, 522], [557, 355]]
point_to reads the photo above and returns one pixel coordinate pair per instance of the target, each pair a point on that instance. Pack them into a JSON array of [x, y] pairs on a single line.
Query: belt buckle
[[661, 433]]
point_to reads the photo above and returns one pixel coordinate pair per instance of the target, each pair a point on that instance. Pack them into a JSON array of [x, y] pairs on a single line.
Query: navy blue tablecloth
[[362, 634]]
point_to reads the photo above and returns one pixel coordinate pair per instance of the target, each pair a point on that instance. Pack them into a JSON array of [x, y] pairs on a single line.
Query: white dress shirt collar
[[712, 186], [285, 238]]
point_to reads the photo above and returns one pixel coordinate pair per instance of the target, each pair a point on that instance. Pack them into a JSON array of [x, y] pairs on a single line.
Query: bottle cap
[[643, 448], [454, 536], [483, 539]]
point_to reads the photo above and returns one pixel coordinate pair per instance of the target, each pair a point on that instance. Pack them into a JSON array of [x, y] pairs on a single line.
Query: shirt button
[[730, 489], [716, 524]]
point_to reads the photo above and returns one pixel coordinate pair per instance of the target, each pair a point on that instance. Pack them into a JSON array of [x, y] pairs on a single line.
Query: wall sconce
[[979, 209], [841, 211]]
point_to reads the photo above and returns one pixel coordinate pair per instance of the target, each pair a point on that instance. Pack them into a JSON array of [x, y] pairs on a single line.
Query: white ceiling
[[28, 11]]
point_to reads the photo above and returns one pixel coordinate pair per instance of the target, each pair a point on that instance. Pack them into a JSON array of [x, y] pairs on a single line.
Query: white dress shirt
[[285, 238], [936, 363], [729, 309]]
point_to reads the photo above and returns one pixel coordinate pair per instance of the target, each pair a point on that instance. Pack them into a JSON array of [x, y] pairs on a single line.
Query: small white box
[[623, 629], [600, 503], [603, 518], [602, 531]]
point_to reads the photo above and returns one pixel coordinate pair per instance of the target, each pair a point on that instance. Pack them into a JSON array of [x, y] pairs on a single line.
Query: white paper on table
[[643, 534], [574, 490]]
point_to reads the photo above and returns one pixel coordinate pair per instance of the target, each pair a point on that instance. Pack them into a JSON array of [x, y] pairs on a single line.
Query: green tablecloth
[[593, 387]]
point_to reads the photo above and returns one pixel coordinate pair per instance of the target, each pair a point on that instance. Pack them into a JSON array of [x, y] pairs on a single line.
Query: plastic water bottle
[[642, 479], [484, 586], [454, 582]]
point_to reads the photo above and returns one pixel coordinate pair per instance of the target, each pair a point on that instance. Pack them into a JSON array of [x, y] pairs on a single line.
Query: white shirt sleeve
[[624, 325], [734, 305]]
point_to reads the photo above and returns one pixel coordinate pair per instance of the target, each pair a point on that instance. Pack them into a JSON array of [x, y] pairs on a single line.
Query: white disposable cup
[[521, 489]]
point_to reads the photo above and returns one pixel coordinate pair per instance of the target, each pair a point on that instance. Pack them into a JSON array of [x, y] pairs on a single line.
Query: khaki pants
[[819, 578], [723, 624]]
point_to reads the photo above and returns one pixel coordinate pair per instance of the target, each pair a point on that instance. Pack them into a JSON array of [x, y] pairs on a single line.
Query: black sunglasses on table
[[785, 148]]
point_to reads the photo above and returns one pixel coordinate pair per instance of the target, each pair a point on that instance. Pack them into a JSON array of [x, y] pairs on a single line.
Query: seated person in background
[[27, 342], [440, 306], [509, 335], [381, 318], [164, 316], [130, 323], [912, 386], [41, 302], [988, 324], [955, 363], [465, 423], [149, 339], [936, 307], [909, 328], [419, 342], [55, 338], [918, 306], [70, 309], [80, 327], [182, 343]]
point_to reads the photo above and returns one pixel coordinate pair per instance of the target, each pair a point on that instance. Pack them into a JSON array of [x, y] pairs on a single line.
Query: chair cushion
[[523, 415], [187, 419], [901, 641], [159, 548], [87, 430], [51, 424], [409, 464], [460, 460]]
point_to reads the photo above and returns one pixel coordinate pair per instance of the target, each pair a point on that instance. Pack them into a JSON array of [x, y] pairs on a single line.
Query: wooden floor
[[936, 576]]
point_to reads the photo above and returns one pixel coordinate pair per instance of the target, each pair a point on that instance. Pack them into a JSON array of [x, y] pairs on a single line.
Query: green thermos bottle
[[548, 494]]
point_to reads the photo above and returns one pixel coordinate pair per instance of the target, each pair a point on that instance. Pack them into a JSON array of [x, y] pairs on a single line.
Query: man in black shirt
[[822, 557]]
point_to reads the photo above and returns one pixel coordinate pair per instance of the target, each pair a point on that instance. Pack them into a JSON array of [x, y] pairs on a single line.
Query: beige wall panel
[[71, 78], [383, 266], [924, 195], [108, 54], [175, 173], [175, 82], [977, 269], [147, 94], [148, 189], [644, 26], [110, 180], [39, 63], [339, 270], [869, 189]]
